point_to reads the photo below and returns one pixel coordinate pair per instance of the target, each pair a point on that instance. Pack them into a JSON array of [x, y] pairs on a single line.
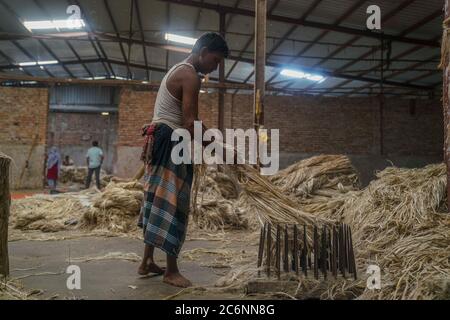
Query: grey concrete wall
[[33, 174], [128, 162]]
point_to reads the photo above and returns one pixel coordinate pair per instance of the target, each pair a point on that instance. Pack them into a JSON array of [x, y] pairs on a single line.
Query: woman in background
[[53, 165]]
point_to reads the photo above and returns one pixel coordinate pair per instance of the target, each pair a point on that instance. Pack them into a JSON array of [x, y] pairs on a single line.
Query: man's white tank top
[[168, 109]]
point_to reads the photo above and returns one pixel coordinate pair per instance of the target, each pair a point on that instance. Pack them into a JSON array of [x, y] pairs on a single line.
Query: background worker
[[53, 167], [94, 159]]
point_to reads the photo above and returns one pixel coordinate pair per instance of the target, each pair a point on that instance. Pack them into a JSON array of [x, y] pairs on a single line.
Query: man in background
[[94, 159]]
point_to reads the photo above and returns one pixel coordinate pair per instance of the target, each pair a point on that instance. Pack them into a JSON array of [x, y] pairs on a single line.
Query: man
[[168, 186], [94, 160]]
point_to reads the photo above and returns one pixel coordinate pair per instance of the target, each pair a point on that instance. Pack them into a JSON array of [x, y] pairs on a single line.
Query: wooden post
[[5, 201], [446, 107], [222, 78], [260, 64]]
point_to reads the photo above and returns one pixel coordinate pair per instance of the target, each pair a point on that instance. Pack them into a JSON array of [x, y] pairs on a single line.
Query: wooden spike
[[305, 252], [335, 252], [323, 252], [278, 251], [261, 247], [341, 250], [296, 250], [286, 249], [269, 245], [316, 253], [329, 249], [353, 261]]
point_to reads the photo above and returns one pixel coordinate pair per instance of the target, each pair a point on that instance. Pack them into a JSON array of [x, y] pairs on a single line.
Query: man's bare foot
[[150, 268], [177, 280]]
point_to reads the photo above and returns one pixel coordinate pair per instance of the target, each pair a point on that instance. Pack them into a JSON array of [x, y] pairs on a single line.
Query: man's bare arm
[[191, 89]]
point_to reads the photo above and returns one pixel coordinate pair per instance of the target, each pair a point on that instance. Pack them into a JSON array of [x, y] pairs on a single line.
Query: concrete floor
[[105, 279]]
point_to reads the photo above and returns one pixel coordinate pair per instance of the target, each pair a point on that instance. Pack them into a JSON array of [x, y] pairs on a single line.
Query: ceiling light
[[180, 39], [105, 113], [27, 64], [302, 75], [41, 63], [54, 24]]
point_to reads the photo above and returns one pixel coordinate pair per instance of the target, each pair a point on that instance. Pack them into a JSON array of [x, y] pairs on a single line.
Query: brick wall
[[347, 125], [135, 110], [23, 115], [308, 125]]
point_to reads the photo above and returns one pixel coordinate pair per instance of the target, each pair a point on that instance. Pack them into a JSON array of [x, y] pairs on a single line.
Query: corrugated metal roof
[[160, 16]]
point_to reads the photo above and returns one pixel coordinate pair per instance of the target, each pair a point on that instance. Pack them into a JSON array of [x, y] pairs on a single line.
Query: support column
[[5, 201], [260, 62], [446, 102], [222, 77]]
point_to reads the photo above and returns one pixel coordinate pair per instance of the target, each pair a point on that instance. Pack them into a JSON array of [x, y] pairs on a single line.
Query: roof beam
[[249, 41], [344, 16], [329, 73], [87, 23], [305, 23], [384, 19], [24, 51], [116, 30], [141, 30], [427, 19]]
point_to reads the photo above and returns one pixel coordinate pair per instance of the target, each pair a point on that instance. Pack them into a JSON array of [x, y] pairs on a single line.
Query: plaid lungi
[[167, 190]]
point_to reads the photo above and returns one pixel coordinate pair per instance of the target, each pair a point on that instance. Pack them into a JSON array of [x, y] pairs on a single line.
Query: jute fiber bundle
[[116, 208], [317, 183], [214, 198]]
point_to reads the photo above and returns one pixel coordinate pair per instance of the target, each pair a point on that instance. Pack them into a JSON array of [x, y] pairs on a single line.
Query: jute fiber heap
[[399, 224], [48, 213], [116, 208], [74, 174]]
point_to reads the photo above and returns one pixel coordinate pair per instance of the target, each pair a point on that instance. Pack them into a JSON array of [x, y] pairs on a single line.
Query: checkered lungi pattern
[[167, 191]]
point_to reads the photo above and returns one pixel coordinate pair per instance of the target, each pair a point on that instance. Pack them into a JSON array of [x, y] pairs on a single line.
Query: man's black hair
[[95, 143], [214, 42]]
